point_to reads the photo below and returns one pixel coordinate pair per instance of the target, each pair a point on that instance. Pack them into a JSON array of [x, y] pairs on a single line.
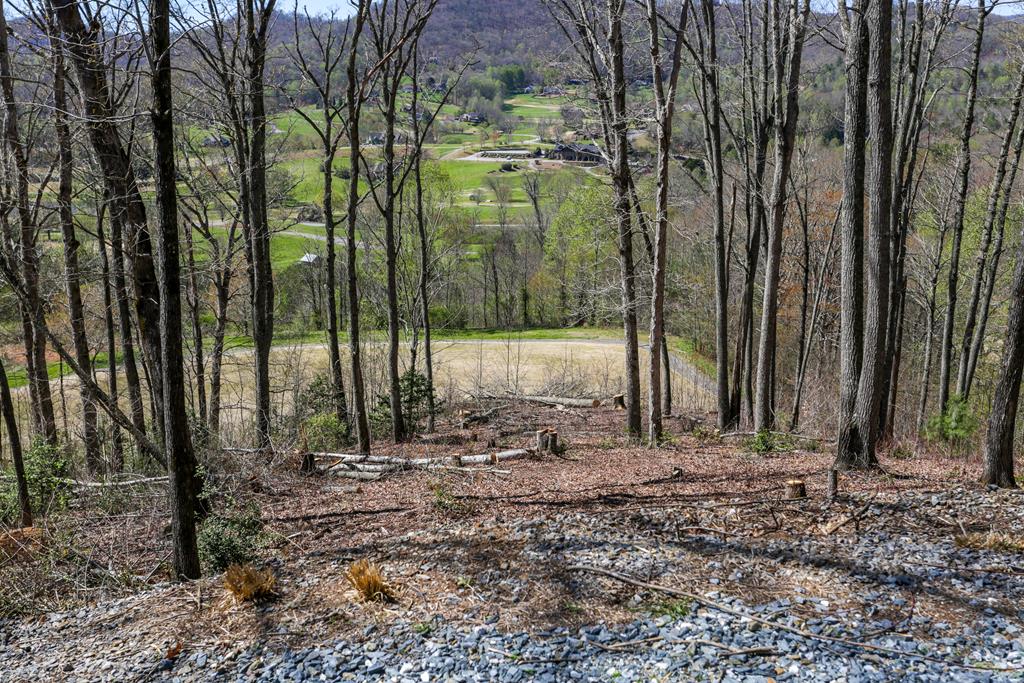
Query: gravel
[[898, 582]]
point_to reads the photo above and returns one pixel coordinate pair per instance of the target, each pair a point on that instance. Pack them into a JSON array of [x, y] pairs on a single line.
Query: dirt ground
[[433, 532]]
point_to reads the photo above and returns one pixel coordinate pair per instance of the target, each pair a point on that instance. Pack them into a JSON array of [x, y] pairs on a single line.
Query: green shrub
[[46, 472], [317, 398], [233, 537], [767, 441], [955, 426], [416, 395], [324, 432]]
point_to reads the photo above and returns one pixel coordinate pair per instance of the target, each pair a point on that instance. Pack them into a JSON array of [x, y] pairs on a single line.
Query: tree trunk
[[72, 274], [257, 24], [786, 74], [32, 307], [333, 343], [879, 226], [11, 422], [181, 464], [127, 209], [1003, 420], [354, 99], [117, 441], [664, 99], [851, 441], [962, 184]]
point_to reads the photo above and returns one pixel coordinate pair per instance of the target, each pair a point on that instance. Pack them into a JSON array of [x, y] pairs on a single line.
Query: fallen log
[[112, 484], [370, 467], [560, 401]]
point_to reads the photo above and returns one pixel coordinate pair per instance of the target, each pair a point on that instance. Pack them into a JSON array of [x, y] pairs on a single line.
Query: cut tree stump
[[833, 484], [620, 401], [547, 441], [795, 489]]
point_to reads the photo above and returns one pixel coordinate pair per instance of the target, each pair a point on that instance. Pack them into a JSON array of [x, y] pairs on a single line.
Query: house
[[473, 118], [581, 153], [309, 259]]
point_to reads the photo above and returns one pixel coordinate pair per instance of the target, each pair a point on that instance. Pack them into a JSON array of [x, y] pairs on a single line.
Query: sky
[[1005, 7]]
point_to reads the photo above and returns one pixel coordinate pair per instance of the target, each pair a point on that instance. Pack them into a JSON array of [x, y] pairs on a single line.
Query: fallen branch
[[836, 526], [110, 484], [472, 418], [711, 604]]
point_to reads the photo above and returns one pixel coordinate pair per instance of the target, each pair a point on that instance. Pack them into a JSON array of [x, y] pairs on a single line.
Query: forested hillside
[[556, 340]]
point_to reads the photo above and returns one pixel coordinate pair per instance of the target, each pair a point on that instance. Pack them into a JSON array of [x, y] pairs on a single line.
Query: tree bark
[[851, 441], [72, 272], [1003, 420], [11, 422], [355, 95], [786, 73], [127, 209], [879, 226], [28, 256], [664, 102], [258, 14], [181, 464], [962, 183]]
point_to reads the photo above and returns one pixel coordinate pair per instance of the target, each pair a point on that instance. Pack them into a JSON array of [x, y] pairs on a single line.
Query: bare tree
[[595, 31], [664, 105], [27, 256], [330, 43], [395, 26], [960, 206], [789, 25], [181, 463], [1003, 420]]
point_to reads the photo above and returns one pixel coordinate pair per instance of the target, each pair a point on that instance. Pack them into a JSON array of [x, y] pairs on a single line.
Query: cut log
[[795, 489], [561, 401], [370, 467]]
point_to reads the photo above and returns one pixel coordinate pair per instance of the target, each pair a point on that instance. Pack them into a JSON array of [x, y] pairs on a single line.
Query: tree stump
[[553, 442], [620, 401], [308, 463], [795, 489], [833, 484], [542, 440], [596, 403]]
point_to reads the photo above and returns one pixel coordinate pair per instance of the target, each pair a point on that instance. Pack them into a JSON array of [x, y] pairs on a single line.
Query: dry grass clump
[[369, 582], [1003, 543], [247, 583]]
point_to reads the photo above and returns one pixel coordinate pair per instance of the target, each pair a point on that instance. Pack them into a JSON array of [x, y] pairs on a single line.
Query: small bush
[[369, 582], [674, 609], [324, 432], [231, 538], [766, 441], [317, 398], [416, 394], [955, 426], [704, 434], [445, 501], [46, 472], [249, 584]]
